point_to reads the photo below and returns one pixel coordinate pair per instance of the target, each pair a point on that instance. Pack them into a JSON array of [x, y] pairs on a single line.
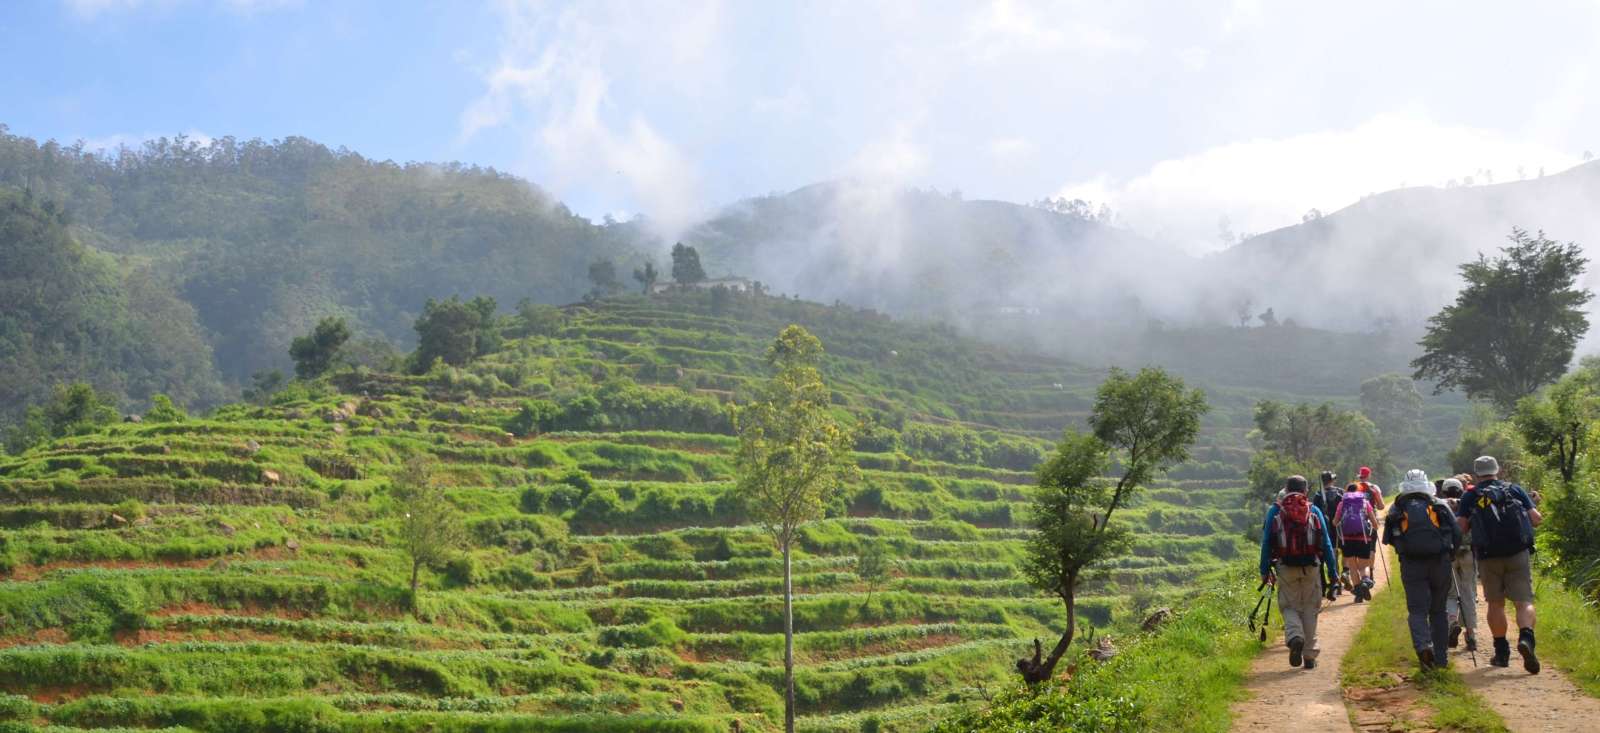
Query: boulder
[[226, 529], [270, 477], [338, 429], [677, 704], [133, 419], [1156, 619], [348, 406], [252, 446], [291, 544], [117, 520], [1103, 651]]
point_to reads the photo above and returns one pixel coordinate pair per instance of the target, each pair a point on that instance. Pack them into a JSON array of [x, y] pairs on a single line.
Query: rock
[[294, 414], [1103, 651], [142, 522], [677, 704], [166, 450], [338, 428], [226, 529], [1156, 619], [133, 419], [291, 544], [348, 407], [252, 446], [270, 477], [117, 520], [257, 525]]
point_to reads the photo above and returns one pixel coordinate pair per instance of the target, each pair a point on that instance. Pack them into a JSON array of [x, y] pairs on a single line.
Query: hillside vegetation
[[241, 571]]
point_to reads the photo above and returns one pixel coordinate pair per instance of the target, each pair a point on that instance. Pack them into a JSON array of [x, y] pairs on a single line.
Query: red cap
[[1364, 472]]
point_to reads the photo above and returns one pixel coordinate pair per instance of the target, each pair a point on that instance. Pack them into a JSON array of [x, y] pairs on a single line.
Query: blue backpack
[[1500, 524]]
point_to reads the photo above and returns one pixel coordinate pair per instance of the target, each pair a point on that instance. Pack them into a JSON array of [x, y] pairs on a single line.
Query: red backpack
[[1297, 532]]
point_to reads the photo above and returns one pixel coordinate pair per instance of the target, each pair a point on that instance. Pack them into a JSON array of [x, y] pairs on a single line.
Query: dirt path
[[1282, 698], [1547, 701]]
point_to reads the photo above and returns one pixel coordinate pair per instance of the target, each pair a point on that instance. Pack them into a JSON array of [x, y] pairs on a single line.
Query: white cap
[[1416, 483]]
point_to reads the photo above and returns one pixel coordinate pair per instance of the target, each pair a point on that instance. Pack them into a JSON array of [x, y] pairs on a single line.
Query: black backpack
[[1328, 501], [1421, 532], [1500, 524]]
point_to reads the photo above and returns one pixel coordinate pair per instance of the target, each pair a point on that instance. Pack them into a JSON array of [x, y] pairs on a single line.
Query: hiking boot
[[1310, 663], [1425, 657], [1455, 635], [1297, 646], [1359, 599], [1472, 642], [1345, 581], [1530, 662], [1502, 653]]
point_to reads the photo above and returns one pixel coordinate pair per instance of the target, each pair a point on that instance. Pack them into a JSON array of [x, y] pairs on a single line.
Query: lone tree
[[431, 529], [1513, 327], [686, 269], [872, 567], [603, 275], [314, 353], [455, 332], [646, 276], [792, 455], [1147, 421]]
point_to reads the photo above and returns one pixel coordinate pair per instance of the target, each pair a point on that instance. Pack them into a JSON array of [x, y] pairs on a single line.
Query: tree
[[686, 268], [1305, 439], [1513, 327], [1393, 405], [872, 567], [539, 319], [315, 352], [72, 409], [263, 385], [792, 455], [455, 331], [431, 529], [603, 275], [646, 276], [1555, 425], [1147, 421], [162, 410]]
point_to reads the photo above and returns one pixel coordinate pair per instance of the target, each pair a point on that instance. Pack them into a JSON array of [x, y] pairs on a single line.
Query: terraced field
[[240, 572]]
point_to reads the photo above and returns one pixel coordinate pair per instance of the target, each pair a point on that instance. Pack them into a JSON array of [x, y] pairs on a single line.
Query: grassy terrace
[[239, 571]]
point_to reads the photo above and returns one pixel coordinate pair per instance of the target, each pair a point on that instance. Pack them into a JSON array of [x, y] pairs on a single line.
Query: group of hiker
[[1452, 536]]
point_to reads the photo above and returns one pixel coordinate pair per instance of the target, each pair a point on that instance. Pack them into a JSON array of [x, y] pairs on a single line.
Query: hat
[[1451, 487], [1328, 476], [1364, 472], [1486, 466], [1295, 484], [1416, 483]]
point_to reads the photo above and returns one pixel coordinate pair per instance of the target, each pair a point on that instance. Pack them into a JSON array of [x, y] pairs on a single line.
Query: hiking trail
[[1545, 702], [1283, 698]]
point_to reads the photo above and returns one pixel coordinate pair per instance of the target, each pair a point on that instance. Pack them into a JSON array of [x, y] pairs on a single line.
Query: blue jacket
[[1328, 563]]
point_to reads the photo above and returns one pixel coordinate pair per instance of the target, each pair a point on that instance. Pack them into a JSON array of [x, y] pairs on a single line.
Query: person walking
[[1500, 518], [1327, 501], [1462, 608], [1373, 491], [1297, 558], [1356, 521], [1424, 532]]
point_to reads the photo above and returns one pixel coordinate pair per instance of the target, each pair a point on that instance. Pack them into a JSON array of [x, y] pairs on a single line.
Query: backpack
[[1328, 501], [1353, 516], [1420, 534], [1500, 524], [1297, 532]]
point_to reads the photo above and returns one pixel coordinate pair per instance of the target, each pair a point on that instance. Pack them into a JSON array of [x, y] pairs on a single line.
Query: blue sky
[[1178, 115]]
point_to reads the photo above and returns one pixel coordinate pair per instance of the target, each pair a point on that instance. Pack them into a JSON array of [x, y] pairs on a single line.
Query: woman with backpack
[[1356, 520], [1297, 558], [1423, 530], [1500, 518]]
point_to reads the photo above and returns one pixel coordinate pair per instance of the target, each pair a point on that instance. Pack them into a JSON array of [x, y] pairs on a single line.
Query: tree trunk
[[1039, 670], [788, 645]]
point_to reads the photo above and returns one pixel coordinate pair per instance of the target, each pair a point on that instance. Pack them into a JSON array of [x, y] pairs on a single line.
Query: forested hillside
[[247, 570], [264, 238]]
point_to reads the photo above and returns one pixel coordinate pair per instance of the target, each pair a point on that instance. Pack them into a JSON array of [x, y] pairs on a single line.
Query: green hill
[[240, 571]]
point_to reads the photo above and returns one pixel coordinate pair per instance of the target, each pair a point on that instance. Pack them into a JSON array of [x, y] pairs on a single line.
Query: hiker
[[1462, 607], [1374, 492], [1297, 558], [1423, 530], [1500, 518], [1327, 501], [1357, 521]]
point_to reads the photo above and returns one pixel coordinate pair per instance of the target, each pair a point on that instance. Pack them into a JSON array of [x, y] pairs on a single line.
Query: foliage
[[1492, 438], [646, 276], [686, 268], [316, 352], [1555, 424], [430, 529], [1393, 405], [603, 276], [455, 332], [532, 417], [263, 385], [872, 567], [73, 409], [162, 410], [1513, 326], [1305, 439]]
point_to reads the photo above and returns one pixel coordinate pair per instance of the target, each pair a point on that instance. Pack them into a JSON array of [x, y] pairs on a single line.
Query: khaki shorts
[[1507, 577]]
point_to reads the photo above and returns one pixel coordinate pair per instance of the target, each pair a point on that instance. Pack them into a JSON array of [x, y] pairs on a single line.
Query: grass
[[1382, 653], [1569, 633]]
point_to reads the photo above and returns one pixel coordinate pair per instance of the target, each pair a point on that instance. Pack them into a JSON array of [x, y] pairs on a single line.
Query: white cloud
[[898, 158], [1009, 148], [1263, 184]]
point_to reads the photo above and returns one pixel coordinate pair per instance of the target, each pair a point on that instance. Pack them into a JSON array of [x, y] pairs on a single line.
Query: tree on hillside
[[792, 456], [686, 268], [1306, 439], [162, 410], [1147, 421], [1392, 403], [72, 409], [872, 567], [314, 353], [646, 276], [431, 529], [455, 331], [603, 276], [1513, 327], [1555, 425]]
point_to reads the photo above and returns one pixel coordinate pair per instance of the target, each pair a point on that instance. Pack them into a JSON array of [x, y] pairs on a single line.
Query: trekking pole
[[1257, 610], [1267, 620], [1384, 556]]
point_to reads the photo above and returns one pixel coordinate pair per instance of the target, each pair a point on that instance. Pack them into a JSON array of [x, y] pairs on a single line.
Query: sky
[[1193, 121]]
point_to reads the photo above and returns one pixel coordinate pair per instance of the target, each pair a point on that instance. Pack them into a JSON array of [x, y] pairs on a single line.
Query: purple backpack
[[1353, 516]]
